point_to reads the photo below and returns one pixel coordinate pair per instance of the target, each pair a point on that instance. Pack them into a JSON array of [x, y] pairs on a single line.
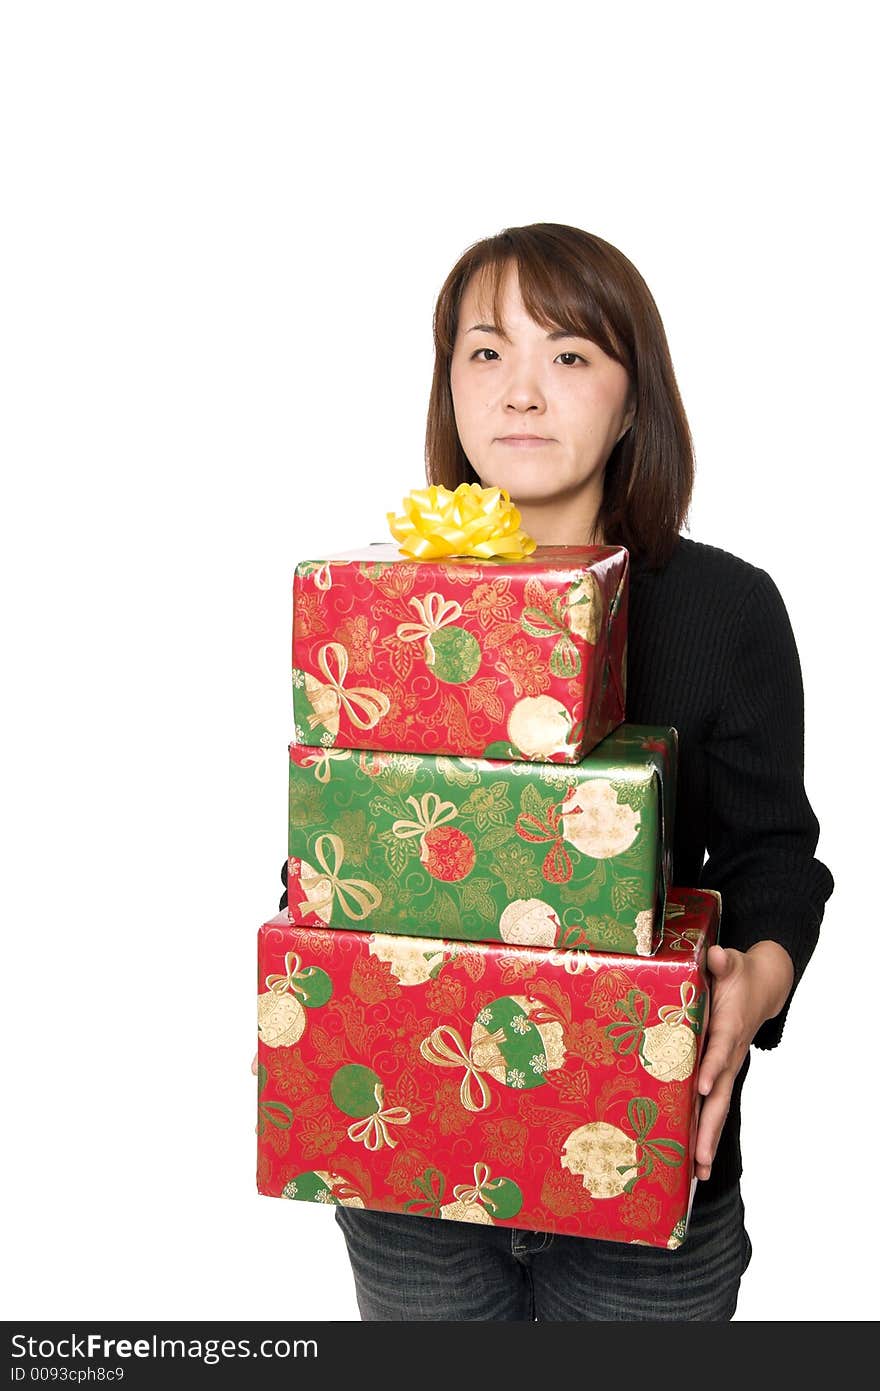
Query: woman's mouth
[[523, 441]]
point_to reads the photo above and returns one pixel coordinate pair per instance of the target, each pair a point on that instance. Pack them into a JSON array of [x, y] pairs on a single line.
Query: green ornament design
[[358, 1091], [309, 1187], [501, 749], [511, 1047], [677, 1235], [353, 1089], [504, 1200], [501, 1197], [457, 655]]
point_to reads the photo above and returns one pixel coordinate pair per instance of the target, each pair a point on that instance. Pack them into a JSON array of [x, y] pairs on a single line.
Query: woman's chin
[[525, 483]]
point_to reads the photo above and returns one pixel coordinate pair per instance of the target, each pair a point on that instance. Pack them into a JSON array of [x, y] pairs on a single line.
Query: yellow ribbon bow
[[435, 612], [373, 1130], [328, 698], [482, 1184], [671, 1014], [365, 896], [472, 520], [430, 813], [434, 1049]]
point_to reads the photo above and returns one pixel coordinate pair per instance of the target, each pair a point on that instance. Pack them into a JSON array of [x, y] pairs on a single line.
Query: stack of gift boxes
[[485, 1001]]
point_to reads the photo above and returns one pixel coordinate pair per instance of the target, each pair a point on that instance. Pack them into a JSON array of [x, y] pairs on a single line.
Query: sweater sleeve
[[762, 833]]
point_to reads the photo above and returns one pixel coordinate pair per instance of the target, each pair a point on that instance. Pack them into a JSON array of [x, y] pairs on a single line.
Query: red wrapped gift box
[[499, 658], [520, 1086]]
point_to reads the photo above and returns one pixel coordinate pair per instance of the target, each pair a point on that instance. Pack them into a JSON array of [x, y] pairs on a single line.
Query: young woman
[[553, 379]]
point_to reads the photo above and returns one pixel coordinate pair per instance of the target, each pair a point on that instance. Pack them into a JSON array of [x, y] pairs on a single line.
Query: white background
[[225, 227]]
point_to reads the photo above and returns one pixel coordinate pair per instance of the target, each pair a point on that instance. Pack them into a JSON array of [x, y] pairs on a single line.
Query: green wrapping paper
[[481, 850]]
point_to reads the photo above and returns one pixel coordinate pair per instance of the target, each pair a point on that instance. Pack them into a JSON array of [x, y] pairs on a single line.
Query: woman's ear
[[627, 420]]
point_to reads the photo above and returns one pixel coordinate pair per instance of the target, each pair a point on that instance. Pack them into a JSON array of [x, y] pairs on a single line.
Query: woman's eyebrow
[[553, 337]]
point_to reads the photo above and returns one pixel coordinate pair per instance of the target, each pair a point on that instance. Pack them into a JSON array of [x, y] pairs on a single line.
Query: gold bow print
[[364, 705], [574, 962], [373, 1130], [472, 520], [322, 760], [482, 1183], [671, 1014], [435, 612], [280, 985], [366, 897], [474, 1091], [430, 813], [323, 576]]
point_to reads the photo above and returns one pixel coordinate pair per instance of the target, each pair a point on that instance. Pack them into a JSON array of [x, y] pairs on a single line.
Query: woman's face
[[564, 389]]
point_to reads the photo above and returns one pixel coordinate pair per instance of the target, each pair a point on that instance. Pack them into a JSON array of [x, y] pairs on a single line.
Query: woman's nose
[[523, 392]]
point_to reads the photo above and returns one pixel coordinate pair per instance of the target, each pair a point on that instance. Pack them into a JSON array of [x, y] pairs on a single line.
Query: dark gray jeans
[[408, 1267]]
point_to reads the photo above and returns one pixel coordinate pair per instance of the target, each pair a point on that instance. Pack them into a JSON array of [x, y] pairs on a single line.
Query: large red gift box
[[510, 1085], [499, 658]]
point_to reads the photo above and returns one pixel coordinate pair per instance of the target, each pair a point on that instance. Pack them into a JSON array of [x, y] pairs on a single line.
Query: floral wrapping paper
[[497, 658], [515, 1086], [487, 850]]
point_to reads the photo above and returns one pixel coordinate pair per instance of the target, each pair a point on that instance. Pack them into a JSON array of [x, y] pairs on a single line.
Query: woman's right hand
[[254, 1064]]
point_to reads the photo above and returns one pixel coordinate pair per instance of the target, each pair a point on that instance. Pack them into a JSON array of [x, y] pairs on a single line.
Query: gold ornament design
[[413, 960], [281, 1019], [529, 922], [604, 1157], [644, 931], [668, 1050], [460, 1211], [585, 607], [539, 726], [596, 823]]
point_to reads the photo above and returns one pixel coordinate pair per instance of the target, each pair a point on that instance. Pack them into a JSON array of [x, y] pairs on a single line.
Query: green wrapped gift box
[[481, 850]]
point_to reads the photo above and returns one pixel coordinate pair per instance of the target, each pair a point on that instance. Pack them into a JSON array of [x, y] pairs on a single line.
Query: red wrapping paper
[[519, 1086], [461, 656]]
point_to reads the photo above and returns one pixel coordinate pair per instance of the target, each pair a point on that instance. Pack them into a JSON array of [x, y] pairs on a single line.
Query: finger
[[712, 1117], [720, 1054], [254, 1064], [721, 962]]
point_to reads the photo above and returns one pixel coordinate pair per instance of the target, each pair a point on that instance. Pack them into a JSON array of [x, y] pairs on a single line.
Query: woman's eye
[[567, 364]]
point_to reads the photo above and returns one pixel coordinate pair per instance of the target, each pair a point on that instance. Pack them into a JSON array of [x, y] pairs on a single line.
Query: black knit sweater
[[711, 651]]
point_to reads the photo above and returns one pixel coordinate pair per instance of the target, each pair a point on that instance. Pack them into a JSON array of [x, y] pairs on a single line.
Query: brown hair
[[573, 280]]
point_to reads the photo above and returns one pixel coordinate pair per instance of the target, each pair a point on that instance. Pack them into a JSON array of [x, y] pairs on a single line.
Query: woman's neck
[[566, 522]]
